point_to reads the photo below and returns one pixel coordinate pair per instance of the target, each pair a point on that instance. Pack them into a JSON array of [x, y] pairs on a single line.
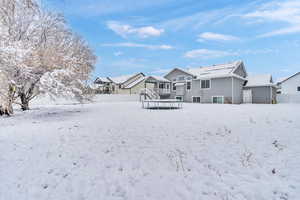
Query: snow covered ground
[[116, 151]]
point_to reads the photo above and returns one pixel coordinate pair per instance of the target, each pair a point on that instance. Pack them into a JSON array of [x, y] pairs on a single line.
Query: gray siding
[[180, 90], [240, 71], [261, 94], [219, 87], [238, 91]]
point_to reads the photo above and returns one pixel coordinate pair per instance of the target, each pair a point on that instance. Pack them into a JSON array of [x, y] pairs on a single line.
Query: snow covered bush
[[40, 54]]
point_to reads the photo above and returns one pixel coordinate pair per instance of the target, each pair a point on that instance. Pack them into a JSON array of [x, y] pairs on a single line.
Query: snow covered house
[[128, 84], [224, 83], [289, 89], [290, 85], [260, 89], [102, 85]]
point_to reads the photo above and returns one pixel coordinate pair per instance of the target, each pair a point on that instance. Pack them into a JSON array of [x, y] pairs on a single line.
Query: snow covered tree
[[40, 53]]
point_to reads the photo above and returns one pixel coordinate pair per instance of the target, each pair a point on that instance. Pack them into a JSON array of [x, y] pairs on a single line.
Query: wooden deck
[[162, 104]]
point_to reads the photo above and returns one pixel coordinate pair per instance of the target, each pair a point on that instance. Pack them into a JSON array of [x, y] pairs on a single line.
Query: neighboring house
[[222, 83], [290, 85], [129, 84], [260, 89], [289, 89], [102, 85]]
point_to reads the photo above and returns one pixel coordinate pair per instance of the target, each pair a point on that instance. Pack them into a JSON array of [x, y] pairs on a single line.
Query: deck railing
[[162, 90]]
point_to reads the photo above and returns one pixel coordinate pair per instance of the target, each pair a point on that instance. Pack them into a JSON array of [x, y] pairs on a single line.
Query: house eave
[[221, 76]]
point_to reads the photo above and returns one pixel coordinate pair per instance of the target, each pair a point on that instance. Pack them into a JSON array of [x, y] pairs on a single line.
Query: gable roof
[[102, 79], [120, 79], [159, 78], [123, 79], [281, 80], [259, 80], [186, 72], [134, 83], [215, 71]]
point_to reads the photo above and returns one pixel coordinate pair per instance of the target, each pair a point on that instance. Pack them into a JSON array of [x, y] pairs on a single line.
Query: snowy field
[[116, 151]]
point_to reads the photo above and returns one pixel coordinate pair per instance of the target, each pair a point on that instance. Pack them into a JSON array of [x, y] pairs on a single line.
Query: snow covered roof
[[102, 79], [159, 78], [178, 70], [280, 80], [124, 78], [120, 79], [221, 70], [259, 80], [132, 84]]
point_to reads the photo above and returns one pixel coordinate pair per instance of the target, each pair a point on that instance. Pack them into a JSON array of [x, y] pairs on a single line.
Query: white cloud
[[137, 45], [195, 20], [130, 63], [118, 53], [125, 30], [216, 37], [161, 71], [279, 11], [207, 54]]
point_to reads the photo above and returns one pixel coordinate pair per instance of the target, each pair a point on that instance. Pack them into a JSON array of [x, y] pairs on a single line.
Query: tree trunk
[[24, 102]]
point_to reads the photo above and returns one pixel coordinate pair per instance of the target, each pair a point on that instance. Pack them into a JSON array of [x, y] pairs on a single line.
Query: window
[[179, 98], [161, 86], [196, 100], [174, 86], [180, 78], [188, 85], [298, 89], [218, 100], [205, 84]]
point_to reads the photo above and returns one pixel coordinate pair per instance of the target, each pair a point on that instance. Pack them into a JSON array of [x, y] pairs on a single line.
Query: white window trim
[[193, 99], [212, 99], [201, 84], [186, 85], [180, 97]]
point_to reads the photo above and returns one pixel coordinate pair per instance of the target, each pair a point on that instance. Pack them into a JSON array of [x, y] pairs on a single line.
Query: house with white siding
[[290, 85], [289, 89]]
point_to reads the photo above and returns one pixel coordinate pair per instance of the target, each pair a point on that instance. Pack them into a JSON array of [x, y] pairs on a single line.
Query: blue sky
[[153, 36]]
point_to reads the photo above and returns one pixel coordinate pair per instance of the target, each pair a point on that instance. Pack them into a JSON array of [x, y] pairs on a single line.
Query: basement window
[[179, 98], [218, 100], [196, 99]]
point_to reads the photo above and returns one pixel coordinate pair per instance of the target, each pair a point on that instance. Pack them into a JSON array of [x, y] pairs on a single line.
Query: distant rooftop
[[214, 70], [121, 79], [102, 79], [259, 80]]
